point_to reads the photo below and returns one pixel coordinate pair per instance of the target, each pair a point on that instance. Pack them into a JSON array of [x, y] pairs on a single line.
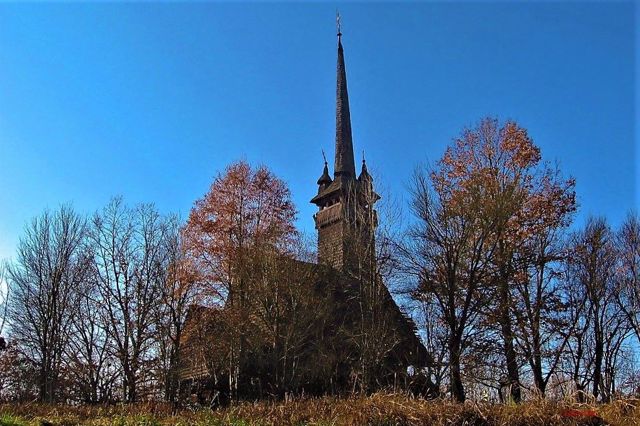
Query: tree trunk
[[457, 388], [44, 386], [538, 377], [513, 376], [599, 355], [132, 394]]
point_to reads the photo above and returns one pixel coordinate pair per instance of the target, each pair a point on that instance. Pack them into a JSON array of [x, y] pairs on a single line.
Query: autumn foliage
[[497, 168], [260, 303], [245, 210], [480, 211]]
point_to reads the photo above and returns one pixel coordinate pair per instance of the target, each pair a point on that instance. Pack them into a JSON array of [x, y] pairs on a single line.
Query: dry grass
[[379, 409]]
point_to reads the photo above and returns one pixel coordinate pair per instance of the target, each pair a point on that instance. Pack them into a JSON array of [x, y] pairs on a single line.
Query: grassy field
[[379, 409]]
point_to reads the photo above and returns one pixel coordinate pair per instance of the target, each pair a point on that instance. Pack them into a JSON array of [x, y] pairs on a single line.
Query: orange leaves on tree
[[495, 169], [246, 210]]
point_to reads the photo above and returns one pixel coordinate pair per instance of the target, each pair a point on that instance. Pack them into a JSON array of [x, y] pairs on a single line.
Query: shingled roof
[[345, 164]]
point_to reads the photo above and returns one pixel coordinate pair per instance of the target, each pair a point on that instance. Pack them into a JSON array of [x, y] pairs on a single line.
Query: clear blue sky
[[150, 100]]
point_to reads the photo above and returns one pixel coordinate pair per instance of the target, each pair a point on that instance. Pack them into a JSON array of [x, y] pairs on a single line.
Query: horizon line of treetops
[[509, 301]]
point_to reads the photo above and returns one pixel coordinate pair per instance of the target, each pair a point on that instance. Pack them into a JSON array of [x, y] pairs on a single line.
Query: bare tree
[[89, 362], [130, 260], [628, 272], [448, 258], [540, 306], [50, 266], [595, 345], [434, 333]]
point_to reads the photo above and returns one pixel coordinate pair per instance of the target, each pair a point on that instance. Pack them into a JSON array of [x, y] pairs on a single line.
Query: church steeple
[[346, 217], [344, 165]]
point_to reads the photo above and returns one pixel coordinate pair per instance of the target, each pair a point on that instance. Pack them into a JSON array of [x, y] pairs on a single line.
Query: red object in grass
[[572, 412]]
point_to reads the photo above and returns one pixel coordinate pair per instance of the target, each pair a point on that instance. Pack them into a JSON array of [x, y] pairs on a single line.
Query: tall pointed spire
[[344, 165]]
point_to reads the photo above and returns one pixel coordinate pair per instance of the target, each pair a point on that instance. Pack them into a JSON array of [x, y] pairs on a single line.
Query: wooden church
[[359, 339]]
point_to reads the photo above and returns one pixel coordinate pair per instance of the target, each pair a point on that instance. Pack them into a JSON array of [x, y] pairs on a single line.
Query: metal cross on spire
[[338, 23]]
